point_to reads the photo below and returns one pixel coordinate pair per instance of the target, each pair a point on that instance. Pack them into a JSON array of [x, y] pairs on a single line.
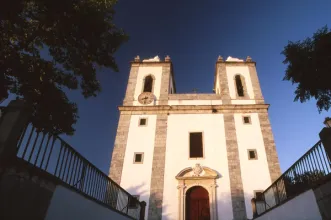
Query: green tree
[[309, 66], [298, 183], [48, 47]]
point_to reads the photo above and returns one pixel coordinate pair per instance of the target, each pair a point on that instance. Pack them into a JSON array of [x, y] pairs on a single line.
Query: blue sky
[[193, 34]]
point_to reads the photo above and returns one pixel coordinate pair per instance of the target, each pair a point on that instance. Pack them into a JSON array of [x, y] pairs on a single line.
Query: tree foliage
[[309, 66], [49, 47], [298, 183]]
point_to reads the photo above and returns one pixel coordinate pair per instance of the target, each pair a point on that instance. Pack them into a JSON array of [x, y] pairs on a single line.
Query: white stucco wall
[[177, 158], [156, 71], [231, 71], [194, 102], [302, 207], [254, 173], [136, 178], [68, 205]]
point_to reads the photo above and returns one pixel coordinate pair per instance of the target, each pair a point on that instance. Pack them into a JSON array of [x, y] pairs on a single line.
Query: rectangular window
[[252, 155], [196, 146], [134, 200], [247, 120], [138, 158], [142, 121], [258, 195]]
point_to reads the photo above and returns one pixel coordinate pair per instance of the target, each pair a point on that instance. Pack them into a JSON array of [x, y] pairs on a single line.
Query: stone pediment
[[197, 172]]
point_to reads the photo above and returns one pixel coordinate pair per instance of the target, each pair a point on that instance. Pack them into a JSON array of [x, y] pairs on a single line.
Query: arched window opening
[[148, 84], [239, 85]]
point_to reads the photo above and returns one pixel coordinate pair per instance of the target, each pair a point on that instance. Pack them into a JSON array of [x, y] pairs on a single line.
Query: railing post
[[12, 124], [325, 136], [142, 210], [253, 201]]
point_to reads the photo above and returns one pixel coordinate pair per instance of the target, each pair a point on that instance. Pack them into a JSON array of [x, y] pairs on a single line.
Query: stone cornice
[[236, 63], [156, 63], [193, 109]]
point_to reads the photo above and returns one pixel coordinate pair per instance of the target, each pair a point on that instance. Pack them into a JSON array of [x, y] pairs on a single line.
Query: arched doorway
[[197, 204]]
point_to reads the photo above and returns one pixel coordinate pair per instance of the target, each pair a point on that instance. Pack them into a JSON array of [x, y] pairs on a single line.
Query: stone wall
[[157, 178], [270, 147], [121, 138], [165, 81], [255, 83], [323, 199], [24, 196], [236, 186], [132, 82], [223, 82]]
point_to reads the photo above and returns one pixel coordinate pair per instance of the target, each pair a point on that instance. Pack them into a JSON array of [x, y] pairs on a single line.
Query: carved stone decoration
[[197, 170], [197, 176], [167, 58], [137, 59], [249, 59], [220, 59]]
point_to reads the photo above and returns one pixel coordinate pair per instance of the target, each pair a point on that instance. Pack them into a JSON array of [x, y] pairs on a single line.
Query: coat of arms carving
[[197, 170]]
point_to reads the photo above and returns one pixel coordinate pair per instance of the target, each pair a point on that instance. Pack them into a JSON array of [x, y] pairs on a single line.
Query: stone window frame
[[142, 158], [243, 82], [203, 146], [145, 125], [143, 83], [248, 154], [207, 180], [249, 118]]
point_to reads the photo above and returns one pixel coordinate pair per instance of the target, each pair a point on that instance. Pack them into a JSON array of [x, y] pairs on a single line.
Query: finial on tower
[[249, 59], [167, 59], [137, 59], [220, 59]]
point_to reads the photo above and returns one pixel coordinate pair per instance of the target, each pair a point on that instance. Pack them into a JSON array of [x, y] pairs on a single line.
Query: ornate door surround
[[197, 176]]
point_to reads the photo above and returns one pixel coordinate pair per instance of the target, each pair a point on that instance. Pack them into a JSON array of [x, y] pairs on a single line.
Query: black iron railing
[[301, 176], [53, 155]]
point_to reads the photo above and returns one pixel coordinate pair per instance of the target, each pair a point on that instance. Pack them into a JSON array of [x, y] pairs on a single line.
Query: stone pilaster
[[132, 82], [270, 147], [223, 81], [236, 186], [165, 81], [121, 138], [157, 178], [255, 84]]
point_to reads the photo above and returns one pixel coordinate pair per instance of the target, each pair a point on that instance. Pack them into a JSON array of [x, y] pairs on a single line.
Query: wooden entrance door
[[197, 204]]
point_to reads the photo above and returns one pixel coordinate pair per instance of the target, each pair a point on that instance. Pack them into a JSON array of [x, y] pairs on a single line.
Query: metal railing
[[53, 155], [301, 176]]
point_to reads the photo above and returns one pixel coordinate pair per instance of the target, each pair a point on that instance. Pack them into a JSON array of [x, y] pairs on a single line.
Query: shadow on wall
[[141, 191], [225, 206]]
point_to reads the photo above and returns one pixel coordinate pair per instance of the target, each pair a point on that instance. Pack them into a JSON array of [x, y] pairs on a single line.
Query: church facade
[[194, 156]]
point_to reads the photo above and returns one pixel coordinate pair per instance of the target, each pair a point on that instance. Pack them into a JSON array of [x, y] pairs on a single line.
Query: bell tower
[[237, 82], [150, 82]]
